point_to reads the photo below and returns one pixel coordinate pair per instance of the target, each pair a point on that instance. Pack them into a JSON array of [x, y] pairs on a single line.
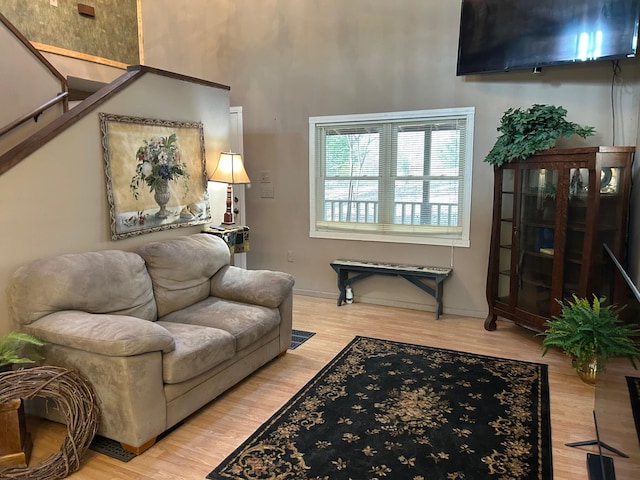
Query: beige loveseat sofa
[[158, 332]]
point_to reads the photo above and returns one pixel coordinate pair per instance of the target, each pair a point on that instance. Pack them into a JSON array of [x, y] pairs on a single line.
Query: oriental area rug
[[388, 410]]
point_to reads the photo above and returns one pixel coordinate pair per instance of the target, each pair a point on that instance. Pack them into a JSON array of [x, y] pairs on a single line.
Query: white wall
[[55, 200]]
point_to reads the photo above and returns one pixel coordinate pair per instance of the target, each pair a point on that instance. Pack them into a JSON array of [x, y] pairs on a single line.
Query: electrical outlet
[[267, 191], [265, 176], [289, 255], [53, 3]]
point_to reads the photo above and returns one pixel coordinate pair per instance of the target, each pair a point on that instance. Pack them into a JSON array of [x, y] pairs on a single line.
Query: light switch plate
[[267, 191]]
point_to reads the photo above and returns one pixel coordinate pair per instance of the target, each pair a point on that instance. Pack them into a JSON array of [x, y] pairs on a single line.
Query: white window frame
[[457, 240]]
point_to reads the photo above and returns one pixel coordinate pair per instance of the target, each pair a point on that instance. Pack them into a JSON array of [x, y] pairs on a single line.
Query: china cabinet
[[552, 214]]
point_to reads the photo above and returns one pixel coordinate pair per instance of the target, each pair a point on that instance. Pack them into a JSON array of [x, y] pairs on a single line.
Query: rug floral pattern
[[390, 410]]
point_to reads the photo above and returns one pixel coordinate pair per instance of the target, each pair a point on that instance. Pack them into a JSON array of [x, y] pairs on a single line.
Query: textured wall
[[111, 34]]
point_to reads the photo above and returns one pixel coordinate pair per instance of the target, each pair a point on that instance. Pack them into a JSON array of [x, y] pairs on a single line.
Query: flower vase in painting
[[158, 164]]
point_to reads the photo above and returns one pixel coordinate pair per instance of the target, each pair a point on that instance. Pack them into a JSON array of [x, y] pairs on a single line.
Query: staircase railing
[[14, 156], [34, 114], [60, 98]]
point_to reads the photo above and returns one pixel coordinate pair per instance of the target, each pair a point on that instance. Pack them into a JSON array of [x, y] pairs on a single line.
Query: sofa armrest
[[105, 334], [258, 287]]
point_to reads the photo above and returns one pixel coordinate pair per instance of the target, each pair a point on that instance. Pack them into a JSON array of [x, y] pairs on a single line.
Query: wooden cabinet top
[[561, 155]]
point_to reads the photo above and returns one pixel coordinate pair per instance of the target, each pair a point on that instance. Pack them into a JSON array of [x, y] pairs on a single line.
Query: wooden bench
[[416, 274]]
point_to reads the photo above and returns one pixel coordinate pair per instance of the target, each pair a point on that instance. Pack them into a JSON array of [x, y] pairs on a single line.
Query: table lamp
[[230, 170]]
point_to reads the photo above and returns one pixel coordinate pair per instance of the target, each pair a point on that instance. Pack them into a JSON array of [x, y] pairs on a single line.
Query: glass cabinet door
[[506, 235], [610, 217], [610, 212], [536, 236], [576, 230]]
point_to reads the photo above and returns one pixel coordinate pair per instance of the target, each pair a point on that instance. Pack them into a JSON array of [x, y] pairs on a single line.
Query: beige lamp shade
[[230, 169]]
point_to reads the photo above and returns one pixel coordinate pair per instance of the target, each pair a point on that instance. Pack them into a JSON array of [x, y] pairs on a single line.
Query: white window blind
[[398, 177]]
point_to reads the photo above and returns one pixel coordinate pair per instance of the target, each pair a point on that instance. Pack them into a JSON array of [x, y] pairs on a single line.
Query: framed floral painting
[[156, 177]]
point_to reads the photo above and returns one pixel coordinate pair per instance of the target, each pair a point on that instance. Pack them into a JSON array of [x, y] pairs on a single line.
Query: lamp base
[[228, 215]]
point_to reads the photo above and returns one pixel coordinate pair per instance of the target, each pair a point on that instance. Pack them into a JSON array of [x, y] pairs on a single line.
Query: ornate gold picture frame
[[155, 172]]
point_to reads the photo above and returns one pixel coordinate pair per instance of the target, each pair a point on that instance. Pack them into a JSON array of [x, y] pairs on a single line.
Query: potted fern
[[590, 333], [18, 347], [525, 132]]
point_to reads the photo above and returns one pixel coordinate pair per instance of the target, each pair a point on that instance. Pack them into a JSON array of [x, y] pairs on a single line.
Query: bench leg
[[343, 275], [435, 292], [438, 296]]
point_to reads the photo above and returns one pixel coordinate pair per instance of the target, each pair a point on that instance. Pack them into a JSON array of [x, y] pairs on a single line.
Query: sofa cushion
[[180, 269], [197, 349], [111, 281], [246, 323]]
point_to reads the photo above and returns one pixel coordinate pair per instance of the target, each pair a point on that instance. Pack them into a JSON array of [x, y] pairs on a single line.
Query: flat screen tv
[[506, 35]]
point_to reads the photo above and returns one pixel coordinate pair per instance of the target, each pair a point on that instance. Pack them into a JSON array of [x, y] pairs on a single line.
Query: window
[[392, 177]]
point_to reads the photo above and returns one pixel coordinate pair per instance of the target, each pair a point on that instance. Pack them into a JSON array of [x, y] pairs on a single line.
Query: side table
[[235, 236]]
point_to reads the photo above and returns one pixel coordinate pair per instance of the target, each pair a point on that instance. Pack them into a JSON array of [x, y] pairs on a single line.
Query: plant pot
[[587, 370], [15, 442]]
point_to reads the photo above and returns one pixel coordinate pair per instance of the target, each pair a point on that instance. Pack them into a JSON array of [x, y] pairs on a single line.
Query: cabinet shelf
[[538, 280], [537, 224], [573, 258], [582, 227], [538, 254], [529, 226]]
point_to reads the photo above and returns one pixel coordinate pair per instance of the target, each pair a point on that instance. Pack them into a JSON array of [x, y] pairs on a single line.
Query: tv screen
[[505, 35]]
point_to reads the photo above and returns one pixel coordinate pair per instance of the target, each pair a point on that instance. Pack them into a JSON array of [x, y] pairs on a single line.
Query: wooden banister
[[34, 114], [57, 126]]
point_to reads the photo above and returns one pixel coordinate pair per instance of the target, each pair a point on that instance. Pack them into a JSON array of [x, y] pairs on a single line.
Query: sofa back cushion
[[181, 269], [111, 281]]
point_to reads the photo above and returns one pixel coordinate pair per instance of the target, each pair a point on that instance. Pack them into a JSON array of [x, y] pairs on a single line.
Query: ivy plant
[[525, 132]]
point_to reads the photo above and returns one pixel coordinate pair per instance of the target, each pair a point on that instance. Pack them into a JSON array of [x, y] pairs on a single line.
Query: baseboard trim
[[394, 303]]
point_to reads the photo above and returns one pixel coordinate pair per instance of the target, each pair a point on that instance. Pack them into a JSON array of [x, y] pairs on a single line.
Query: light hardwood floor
[[208, 436]]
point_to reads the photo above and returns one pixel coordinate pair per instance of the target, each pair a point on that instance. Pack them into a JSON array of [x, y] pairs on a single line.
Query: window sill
[[441, 240]]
